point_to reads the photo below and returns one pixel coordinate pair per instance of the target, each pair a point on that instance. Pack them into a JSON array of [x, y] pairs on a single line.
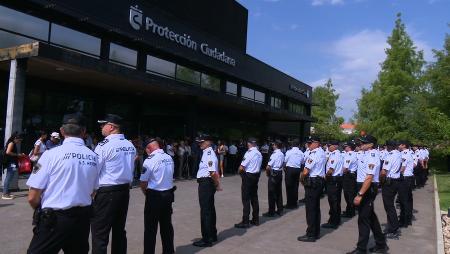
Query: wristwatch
[[360, 194]]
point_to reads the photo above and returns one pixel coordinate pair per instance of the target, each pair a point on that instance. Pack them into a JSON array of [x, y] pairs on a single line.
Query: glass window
[[160, 66], [76, 40], [231, 88], [297, 108], [247, 93], [8, 40], [24, 24], [260, 97], [188, 75], [122, 55], [210, 82], [275, 102]]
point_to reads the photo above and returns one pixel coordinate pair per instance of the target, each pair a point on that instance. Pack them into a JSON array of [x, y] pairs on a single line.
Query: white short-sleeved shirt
[[158, 171], [417, 158], [276, 160], [383, 154], [232, 150], [116, 159], [426, 153], [208, 163], [316, 162], [335, 162], [252, 161], [294, 158], [67, 175], [407, 162], [392, 164], [371, 157], [351, 161], [42, 147]]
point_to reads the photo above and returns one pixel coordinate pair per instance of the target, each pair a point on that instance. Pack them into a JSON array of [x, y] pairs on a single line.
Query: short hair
[[72, 130]]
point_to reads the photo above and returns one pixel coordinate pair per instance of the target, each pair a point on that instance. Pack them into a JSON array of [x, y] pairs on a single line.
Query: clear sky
[[313, 40]]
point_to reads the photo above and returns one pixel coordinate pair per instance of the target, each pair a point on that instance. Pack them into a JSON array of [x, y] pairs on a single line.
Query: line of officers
[[76, 191]]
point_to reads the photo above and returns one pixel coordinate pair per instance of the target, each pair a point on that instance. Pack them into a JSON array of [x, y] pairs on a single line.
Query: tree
[[326, 124], [381, 109]]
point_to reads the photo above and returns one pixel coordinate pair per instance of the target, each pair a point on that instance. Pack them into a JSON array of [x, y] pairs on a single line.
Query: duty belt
[[118, 187]]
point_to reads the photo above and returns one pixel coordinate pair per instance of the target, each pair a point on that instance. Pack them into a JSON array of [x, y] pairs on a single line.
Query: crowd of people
[[81, 186]]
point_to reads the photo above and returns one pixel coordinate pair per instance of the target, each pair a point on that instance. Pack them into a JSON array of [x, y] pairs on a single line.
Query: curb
[[439, 234]]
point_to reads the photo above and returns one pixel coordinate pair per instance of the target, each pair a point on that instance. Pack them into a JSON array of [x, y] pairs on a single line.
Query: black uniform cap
[[76, 119], [203, 137], [111, 118], [313, 139]]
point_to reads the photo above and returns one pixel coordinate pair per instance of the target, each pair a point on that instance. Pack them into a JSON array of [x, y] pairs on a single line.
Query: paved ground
[[272, 236]]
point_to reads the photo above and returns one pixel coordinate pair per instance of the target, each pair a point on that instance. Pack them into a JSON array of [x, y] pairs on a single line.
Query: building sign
[[299, 90], [140, 22]]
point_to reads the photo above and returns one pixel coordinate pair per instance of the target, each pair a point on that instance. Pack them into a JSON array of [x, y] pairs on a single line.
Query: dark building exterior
[[172, 68]]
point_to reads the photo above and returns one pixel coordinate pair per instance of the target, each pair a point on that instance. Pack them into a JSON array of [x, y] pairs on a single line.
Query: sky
[[314, 40]]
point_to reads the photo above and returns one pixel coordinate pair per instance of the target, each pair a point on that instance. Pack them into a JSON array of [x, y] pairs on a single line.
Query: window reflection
[[188, 75], [260, 97], [210, 82], [76, 40], [24, 24], [8, 40], [231, 88], [122, 55], [247, 93], [160, 66]]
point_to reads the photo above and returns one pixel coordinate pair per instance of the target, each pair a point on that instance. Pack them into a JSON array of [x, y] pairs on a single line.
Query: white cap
[[55, 135]]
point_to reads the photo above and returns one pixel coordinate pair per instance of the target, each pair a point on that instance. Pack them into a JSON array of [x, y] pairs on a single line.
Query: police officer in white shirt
[[334, 184], [419, 171], [391, 174], [349, 178], [208, 184], [406, 208], [293, 161], [116, 157], [61, 189], [274, 172], [312, 178], [367, 183], [157, 186], [306, 157], [250, 172]]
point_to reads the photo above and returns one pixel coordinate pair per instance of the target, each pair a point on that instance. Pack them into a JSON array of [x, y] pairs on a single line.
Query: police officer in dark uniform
[[390, 175], [157, 186], [367, 184], [250, 172], [61, 188], [208, 184], [274, 172], [116, 157], [312, 178]]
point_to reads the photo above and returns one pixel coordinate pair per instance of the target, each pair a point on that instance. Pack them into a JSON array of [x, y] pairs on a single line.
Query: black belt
[[394, 179], [408, 177], [204, 179], [293, 167], [151, 191], [316, 179], [70, 211], [118, 187], [252, 174]]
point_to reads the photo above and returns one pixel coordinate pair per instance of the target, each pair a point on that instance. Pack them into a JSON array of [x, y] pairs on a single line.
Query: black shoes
[[242, 225], [379, 249], [306, 238], [269, 214], [202, 244], [291, 207], [280, 213], [357, 251], [348, 214], [255, 222], [303, 200], [393, 235]]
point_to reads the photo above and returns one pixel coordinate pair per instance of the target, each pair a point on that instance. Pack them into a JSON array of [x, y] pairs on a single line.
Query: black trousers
[[405, 195], [66, 230], [368, 220], [275, 191], [292, 181], [231, 165], [349, 186], [312, 205], [334, 193], [206, 191], [249, 194], [110, 208], [158, 210], [389, 191]]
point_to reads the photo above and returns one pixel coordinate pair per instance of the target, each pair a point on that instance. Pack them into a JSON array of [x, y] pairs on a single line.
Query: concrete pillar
[[14, 109]]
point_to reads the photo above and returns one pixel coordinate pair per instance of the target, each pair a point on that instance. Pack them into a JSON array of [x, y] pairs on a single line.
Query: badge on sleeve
[[386, 162], [347, 161], [210, 163], [209, 152], [36, 168], [332, 161]]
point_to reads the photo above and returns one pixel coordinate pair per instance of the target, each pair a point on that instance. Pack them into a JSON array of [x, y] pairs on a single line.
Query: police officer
[[334, 184], [293, 163], [61, 189], [367, 183], [391, 174], [250, 172], [349, 178], [405, 192], [157, 186], [116, 157], [306, 157], [274, 172], [208, 184], [312, 178]]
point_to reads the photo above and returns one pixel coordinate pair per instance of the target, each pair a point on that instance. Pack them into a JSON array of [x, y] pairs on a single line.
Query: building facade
[[172, 68]]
